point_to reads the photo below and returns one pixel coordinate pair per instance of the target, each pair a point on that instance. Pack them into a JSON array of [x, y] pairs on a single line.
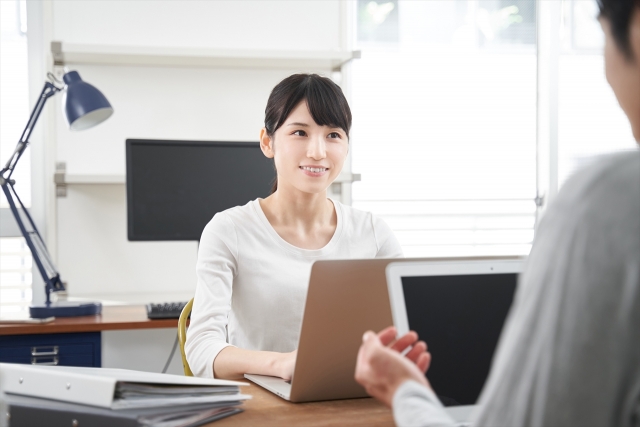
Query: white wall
[[93, 254], [257, 24], [166, 103], [96, 260], [142, 349]]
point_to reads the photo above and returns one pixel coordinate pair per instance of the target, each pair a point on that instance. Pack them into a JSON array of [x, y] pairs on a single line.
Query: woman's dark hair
[[619, 13], [325, 100]]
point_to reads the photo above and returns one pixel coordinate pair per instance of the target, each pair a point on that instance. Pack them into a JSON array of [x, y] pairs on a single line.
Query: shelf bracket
[[59, 179], [356, 54]]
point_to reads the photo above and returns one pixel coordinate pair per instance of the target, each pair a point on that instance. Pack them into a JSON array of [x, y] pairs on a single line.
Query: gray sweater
[[570, 351]]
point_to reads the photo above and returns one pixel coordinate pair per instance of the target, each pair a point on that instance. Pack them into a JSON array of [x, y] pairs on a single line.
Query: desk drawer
[[80, 349]]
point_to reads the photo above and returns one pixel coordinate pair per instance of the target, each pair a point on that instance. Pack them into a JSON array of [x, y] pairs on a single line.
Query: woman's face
[[308, 157], [623, 74]]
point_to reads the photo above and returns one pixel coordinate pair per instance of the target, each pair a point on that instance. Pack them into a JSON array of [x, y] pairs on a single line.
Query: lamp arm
[[39, 252], [28, 228], [48, 91]]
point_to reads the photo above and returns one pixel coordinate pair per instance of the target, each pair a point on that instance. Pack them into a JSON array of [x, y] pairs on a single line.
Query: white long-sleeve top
[[252, 284], [569, 354]]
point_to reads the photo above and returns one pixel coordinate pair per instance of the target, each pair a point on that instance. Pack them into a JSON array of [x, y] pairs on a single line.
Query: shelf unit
[[65, 54], [91, 179], [71, 54], [61, 178]]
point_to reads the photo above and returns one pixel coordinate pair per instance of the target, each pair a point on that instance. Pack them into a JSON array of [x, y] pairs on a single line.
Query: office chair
[[182, 336]]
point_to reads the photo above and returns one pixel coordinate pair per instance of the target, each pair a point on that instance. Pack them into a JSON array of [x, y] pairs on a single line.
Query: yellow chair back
[[182, 335]]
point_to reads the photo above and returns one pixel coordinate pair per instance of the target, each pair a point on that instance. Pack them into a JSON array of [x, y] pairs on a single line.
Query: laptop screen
[[460, 318]]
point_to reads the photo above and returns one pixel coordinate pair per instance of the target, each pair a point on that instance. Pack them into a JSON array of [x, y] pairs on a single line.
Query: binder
[[98, 386], [26, 411]]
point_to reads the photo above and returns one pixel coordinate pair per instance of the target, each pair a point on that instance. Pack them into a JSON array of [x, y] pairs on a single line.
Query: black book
[[26, 411]]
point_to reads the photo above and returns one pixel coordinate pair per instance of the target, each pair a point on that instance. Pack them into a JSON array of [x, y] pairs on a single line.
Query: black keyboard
[[167, 310]]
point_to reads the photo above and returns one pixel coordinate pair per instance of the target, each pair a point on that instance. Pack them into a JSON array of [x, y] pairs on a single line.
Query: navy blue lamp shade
[[84, 105]]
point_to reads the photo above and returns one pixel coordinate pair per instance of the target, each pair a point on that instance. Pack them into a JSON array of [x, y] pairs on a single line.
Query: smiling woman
[[324, 106], [254, 261]]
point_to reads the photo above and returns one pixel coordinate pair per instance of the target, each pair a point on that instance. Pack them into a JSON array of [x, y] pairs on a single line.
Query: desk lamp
[[84, 107]]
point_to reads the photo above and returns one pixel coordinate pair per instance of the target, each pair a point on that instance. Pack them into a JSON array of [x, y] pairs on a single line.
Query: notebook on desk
[[111, 388], [29, 411], [63, 396]]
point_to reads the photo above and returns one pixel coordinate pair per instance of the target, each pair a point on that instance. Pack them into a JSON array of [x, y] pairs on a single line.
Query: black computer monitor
[[175, 187], [460, 318]]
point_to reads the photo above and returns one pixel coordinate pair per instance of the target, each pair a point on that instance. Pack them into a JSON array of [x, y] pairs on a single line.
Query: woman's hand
[[285, 365], [381, 369], [233, 363]]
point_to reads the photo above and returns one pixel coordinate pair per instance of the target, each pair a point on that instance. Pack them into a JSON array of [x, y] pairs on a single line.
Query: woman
[[254, 261]]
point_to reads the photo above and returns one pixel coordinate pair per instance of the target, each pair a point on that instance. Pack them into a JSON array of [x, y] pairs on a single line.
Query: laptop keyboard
[[167, 310]]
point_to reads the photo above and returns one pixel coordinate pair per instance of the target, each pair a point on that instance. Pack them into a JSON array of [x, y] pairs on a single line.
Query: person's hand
[[417, 354], [286, 364], [381, 369]]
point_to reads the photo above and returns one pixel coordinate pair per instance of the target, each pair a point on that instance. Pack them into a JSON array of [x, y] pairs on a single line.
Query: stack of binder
[[69, 396]]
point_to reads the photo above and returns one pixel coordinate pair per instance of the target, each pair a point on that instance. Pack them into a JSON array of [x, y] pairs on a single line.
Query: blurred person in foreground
[[570, 350]]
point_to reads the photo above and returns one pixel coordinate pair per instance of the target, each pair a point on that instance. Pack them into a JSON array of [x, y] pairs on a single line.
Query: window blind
[[15, 275], [444, 134], [15, 258]]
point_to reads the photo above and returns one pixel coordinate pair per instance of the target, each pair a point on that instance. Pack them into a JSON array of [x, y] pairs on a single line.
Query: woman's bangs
[[327, 105]]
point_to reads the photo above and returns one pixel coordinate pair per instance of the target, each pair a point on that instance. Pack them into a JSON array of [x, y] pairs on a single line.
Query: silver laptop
[[345, 298], [458, 307]]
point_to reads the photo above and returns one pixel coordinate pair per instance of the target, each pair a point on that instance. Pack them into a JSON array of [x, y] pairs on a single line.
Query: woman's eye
[[300, 133], [334, 135]]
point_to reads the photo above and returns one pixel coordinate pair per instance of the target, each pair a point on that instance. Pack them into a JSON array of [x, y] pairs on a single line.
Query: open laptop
[[458, 307], [345, 298]]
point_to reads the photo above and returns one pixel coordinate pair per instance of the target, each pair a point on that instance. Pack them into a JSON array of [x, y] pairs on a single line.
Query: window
[[15, 275], [14, 86], [599, 126], [15, 258], [444, 135]]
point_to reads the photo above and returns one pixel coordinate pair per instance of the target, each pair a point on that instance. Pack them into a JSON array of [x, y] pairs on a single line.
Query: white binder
[[97, 386]]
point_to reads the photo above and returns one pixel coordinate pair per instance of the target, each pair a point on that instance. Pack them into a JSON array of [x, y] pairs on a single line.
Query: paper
[[19, 318], [175, 401], [190, 418], [133, 390], [130, 376]]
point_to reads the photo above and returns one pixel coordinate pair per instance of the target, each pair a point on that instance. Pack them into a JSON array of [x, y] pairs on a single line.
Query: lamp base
[[65, 309]]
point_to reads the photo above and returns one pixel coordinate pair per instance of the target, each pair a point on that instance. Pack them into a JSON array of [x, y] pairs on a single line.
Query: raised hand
[[417, 354], [381, 368]]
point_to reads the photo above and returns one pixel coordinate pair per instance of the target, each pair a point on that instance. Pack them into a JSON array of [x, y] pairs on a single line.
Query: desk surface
[[267, 409], [121, 317]]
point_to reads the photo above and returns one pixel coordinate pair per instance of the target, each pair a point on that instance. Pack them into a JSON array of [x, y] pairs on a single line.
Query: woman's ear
[[266, 144]]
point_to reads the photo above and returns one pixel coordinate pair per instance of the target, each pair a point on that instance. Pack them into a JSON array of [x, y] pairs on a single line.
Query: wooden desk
[[72, 341], [266, 409], [118, 317]]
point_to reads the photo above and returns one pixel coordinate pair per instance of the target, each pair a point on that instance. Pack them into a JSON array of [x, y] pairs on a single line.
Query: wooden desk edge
[[266, 409], [28, 329], [113, 318]]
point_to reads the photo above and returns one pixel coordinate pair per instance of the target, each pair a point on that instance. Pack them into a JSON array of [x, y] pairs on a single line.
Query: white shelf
[[135, 298], [70, 179], [70, 54]]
